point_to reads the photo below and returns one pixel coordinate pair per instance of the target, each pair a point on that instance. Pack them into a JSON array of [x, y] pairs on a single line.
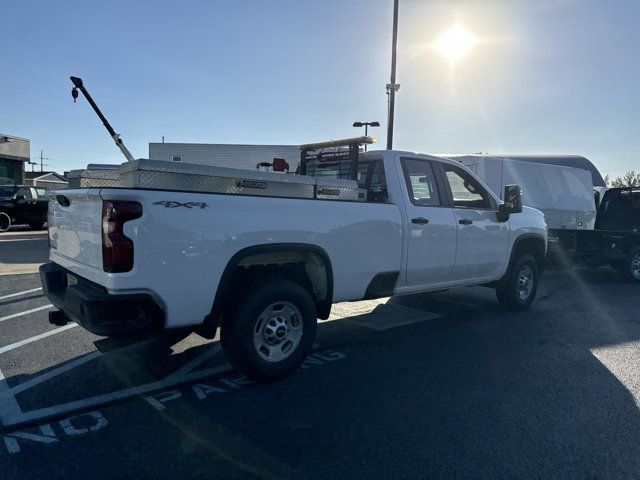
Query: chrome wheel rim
[[635, 266], [278, 331], [5, 222], [524, 286]]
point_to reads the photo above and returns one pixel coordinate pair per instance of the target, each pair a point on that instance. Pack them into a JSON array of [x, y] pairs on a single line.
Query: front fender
[[530, 222]]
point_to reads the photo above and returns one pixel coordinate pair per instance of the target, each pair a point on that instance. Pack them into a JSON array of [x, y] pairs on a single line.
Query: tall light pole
[[392, 87], [366, 126]]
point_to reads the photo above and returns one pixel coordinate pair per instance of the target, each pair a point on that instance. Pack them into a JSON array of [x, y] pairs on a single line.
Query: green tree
[[629, 179]]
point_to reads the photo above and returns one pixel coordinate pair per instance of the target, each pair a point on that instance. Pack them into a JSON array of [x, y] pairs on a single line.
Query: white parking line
[[19, 314], [11, 295], [55, 372], [19, 417], [187, 367], [9, 407], [36, 338]]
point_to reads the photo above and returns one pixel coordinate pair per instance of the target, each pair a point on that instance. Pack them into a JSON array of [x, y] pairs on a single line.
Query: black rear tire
[[5, 221], [629, 268], [290, 308], [519, 286]]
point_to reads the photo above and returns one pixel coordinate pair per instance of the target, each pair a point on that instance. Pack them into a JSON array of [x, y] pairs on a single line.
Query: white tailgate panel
[[75, 231]]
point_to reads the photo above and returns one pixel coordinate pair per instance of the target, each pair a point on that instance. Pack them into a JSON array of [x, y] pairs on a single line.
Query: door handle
[[420, 220], [465, 221]]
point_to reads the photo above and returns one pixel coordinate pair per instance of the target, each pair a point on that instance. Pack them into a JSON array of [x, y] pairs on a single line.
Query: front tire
[[519, 286], [267, 333], [5, 222]]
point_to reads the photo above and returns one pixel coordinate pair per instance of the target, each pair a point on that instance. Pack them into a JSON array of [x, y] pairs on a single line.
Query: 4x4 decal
[[174, 204]]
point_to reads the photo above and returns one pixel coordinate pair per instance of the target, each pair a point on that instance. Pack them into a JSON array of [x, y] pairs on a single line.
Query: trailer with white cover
[[588, 222], [564, 194]]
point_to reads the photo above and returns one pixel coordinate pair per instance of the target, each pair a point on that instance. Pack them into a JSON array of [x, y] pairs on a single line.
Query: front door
[[431, 231], [25, 205], [482, 239]]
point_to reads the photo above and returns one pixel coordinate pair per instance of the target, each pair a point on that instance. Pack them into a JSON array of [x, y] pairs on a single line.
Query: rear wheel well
[[307, 265]]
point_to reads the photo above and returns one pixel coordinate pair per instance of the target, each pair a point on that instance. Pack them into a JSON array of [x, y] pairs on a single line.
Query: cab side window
[[466, 191], [26, 193]]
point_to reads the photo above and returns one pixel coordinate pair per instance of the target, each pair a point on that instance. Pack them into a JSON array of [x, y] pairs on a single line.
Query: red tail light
[[117, 249]]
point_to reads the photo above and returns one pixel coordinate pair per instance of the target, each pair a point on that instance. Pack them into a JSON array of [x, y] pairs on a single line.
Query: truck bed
[[183, 241]]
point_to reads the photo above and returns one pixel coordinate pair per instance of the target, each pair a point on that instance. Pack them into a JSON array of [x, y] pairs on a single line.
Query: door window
[[466, 191], [421, 182], [25, 193]]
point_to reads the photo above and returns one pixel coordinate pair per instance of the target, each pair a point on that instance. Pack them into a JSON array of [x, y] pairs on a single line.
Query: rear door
[[431, 228], [482, 241]]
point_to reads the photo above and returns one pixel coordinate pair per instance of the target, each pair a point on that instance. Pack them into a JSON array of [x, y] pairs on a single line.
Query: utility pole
[[392, 87], [40, 161]]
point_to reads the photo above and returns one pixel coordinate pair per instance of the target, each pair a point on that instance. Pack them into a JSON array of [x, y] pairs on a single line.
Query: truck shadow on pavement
[[477, 393]]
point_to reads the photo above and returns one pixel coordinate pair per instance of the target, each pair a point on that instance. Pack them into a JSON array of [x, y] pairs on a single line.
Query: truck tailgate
[[75, 230]]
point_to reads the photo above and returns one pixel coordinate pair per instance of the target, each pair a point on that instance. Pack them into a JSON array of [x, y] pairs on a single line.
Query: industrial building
[[224, 155], [14, 153]]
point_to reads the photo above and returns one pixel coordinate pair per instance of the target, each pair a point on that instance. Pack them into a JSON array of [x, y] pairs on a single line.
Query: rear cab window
[[371, 175], [620, 210]]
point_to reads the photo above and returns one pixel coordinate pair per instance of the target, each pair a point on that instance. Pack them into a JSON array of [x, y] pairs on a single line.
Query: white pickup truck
[[263, 268]]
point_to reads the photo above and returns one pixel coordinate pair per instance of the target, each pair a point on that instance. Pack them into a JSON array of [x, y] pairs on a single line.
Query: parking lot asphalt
[[444, 385]]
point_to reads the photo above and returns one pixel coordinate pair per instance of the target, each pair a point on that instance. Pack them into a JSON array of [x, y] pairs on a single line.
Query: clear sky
[[547, 76]]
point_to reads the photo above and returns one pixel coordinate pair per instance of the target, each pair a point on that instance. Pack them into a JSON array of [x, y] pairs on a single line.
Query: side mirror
[[512, 202]]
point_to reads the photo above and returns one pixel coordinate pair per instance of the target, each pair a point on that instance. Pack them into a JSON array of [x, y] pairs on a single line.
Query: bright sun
[[456, 43]]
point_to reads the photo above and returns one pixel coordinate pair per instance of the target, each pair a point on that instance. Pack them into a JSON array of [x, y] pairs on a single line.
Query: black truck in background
[[22, 204], [615, 241]]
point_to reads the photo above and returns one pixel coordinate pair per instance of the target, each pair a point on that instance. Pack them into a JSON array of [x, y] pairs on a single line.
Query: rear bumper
[[100, 312]]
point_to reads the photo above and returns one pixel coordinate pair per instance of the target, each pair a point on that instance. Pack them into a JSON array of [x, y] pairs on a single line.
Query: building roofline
[[45, 174], [14, 158], [13, 136], [225, 144]]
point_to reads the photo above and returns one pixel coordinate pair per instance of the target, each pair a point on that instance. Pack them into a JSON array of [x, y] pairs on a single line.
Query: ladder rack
[[346, 149]]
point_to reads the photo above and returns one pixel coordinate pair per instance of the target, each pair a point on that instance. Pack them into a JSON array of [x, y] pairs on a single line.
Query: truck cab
[[456, 232]]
